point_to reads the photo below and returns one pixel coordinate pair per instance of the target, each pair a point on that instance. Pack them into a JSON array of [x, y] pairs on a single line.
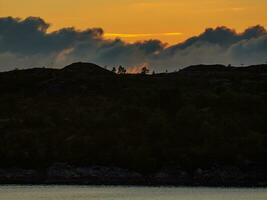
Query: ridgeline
[[203, 125]]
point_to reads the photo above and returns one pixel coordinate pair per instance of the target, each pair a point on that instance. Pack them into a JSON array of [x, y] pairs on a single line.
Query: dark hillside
[[85, 69], [200, 117]]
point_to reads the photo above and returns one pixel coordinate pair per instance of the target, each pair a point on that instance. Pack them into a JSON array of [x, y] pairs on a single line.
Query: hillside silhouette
[[82, 69], [199, 117]]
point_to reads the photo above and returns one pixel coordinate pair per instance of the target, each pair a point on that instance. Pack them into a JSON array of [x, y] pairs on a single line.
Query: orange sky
[[168, 20]]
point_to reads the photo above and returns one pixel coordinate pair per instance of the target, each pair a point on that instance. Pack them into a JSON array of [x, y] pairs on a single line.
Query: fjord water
[[127, 193]]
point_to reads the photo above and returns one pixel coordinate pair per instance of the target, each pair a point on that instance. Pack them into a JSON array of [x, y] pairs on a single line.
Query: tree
[[121, 70], [114, 70], [144, 70]]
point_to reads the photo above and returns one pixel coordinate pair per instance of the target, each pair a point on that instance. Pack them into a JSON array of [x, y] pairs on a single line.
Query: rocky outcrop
[[19, 176], [170, 176], [61, 173]]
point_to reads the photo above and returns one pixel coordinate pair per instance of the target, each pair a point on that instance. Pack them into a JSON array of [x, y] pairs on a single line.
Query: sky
[[162, 34], [170, 21]]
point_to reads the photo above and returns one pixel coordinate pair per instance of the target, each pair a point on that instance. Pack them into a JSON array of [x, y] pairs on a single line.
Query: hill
[[203, 117], [86, 68]]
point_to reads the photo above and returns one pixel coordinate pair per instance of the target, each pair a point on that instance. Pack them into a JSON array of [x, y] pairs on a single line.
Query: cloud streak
[[138, 35], [27, 43]]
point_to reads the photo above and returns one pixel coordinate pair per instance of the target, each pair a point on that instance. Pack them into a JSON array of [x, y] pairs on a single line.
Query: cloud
[[250, 51], [138, 35], [27, 43]]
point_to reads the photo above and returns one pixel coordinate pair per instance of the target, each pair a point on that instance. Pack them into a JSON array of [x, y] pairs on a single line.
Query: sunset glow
[[168, 20]]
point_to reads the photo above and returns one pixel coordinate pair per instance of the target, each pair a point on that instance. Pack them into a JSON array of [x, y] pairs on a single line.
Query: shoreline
[[64, 174], [130, 185]]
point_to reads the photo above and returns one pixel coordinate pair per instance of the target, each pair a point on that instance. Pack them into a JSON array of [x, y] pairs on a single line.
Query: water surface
[[127, 193]]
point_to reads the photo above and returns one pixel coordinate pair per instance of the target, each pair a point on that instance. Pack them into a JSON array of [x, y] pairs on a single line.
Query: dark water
[[127, 193]]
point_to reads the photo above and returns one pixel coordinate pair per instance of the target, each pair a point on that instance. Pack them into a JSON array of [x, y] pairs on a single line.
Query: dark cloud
[[30, 36], [220, 45], [27, 43], [151, 46], [253, 32], [222, 36], [251, 51]]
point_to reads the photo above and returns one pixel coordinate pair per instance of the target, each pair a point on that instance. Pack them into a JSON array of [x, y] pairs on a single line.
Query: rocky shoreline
[[101, 175]]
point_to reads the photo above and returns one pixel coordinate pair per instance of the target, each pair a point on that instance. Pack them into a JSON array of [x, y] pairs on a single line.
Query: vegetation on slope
[[83, 114]]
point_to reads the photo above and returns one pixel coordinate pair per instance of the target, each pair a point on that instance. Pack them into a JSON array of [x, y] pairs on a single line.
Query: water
[[127, 193]]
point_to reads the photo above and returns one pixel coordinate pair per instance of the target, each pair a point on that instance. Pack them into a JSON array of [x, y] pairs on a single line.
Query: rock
[[61, 172], [168, 176], [99, 171], [18, 175]]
